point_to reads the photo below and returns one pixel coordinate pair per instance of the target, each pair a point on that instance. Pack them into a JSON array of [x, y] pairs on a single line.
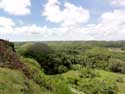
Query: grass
[[114, 77], [103, 76], [54, 84], [14, 82], [11, 82]]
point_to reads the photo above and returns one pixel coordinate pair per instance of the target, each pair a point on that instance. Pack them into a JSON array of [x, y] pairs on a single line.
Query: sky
[[62, 20]]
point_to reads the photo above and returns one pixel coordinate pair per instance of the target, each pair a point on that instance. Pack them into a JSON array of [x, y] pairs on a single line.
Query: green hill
[[68, 69]]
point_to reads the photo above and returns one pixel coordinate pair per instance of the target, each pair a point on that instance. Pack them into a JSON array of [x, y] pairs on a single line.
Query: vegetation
[[62, 68]]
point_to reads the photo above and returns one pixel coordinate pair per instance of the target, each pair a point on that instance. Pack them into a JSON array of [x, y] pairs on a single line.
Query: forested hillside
[[62, 67]]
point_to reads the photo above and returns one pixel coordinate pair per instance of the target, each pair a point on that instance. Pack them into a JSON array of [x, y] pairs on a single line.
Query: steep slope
[[9, 58], [15, 78], [15, 82]]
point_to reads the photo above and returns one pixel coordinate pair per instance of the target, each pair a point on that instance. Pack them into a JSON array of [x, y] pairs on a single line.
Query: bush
[[76, 67], [38, 51], [116, 65], [88, 73], [42, 53], [120, 79], [57, 64], [94, 86]]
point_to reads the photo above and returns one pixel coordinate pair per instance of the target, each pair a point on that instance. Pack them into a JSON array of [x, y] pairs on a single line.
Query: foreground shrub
[[88, 73], [15, 82], [116, 65], [120, 79], [93, 86]]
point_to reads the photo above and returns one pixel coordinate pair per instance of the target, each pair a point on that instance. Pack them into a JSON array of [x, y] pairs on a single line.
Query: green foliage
[[14, 82], [61, 57], [84, 59], [88, 73], [38, 51], [93, 86], [76, 67], [91, 81], [117, 65], [120, 79], [54, 85]]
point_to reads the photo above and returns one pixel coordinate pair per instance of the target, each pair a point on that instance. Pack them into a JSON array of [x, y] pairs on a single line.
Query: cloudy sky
[[43, 20]]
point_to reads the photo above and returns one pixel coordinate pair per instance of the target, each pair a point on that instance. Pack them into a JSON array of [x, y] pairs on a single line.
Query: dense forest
[[82, 67]]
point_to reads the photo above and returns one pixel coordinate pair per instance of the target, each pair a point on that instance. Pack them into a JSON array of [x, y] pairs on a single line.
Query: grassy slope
[[14, 82], [104, 75], [53, 83], [114, 76]]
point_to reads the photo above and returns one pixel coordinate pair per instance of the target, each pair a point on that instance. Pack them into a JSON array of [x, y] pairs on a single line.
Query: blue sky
[[35, 20]]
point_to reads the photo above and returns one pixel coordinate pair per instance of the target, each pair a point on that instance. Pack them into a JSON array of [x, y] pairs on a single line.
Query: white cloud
[[16, 7], [37, 33], [6, 30], [71, 15], [112, 26], [6, 21], [118, 2], [29, 30]]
